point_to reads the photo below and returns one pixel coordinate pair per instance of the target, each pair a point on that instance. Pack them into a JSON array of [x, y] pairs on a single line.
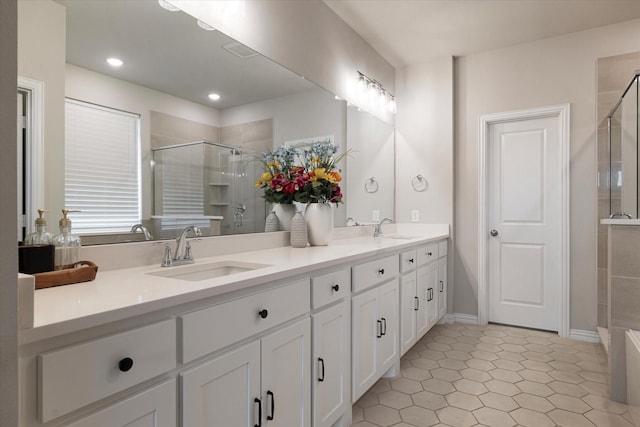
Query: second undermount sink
[[197, 272]]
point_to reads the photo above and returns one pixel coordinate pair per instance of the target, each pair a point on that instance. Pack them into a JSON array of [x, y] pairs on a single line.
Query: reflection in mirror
[[370, 168], [170, 66]]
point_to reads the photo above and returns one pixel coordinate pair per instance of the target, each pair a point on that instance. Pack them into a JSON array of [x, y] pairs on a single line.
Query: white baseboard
[[580, 335], [460, 318]]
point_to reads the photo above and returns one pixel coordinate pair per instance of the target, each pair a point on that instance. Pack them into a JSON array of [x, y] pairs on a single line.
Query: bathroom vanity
[[280, 336]]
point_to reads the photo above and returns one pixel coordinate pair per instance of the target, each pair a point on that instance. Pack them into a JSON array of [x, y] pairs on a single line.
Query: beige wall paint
[[424, 141], [541, 73], [41, 53], [8, 195]]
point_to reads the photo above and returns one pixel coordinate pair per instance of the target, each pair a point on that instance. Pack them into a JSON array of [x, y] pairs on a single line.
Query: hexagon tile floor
[[462, 375]]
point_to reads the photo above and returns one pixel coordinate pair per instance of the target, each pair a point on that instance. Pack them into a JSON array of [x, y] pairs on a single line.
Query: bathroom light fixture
[[205, 26], [373, 95], [114, 62], [168, 6], [214, 96]]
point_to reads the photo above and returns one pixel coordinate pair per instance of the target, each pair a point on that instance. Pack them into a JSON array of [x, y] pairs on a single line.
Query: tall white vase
[[285, 213], [319, 217]]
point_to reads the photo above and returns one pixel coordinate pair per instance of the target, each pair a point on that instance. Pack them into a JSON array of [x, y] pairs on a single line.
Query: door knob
[[494, 233]]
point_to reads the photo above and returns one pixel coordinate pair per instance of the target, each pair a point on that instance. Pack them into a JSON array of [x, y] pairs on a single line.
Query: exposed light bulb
[[214, 96], [392, 104], [362, 83], [115, 62], [167, 6], [205, 26]]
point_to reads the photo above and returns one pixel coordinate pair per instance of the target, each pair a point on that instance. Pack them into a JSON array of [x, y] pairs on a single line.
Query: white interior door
[[525, 214]]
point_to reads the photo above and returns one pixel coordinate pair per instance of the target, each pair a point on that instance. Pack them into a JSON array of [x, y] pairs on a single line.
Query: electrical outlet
[[415, 216], [375, 215]]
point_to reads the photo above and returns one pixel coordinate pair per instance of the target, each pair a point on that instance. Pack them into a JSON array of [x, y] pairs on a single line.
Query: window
[[102, 167]]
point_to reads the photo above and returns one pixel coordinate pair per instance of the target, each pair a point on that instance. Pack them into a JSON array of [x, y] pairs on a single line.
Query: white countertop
[[123, 293], [621, 221]]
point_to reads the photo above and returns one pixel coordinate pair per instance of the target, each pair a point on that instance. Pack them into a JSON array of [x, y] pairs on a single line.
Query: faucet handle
[[188, 254], [167, 259]]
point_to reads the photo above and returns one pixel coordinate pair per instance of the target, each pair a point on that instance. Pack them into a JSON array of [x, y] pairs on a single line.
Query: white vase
[[285, 213], [319, 217], [298, 231]]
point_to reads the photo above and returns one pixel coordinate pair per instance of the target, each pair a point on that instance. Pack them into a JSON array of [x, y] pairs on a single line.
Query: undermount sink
[[197, 272], [401, 237]]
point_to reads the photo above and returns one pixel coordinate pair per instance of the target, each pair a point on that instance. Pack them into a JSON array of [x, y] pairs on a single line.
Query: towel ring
[[419, 183], [371, 185]]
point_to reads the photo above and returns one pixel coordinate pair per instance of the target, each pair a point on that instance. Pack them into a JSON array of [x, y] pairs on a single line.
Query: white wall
[[8, 195], [424, 141], [41, 56], [305, 36], [546, 72]]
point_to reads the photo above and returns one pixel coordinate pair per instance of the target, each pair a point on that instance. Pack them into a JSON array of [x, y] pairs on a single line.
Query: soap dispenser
[[67, 244], [40, 236]]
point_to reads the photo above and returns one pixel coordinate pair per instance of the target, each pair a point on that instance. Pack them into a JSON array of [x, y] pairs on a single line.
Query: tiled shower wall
[[614, 73]]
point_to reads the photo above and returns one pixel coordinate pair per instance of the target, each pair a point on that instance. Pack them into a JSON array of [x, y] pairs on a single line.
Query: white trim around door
[[562, 113], [35, 148]]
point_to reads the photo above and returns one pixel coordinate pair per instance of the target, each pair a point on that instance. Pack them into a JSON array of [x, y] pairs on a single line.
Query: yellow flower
[[264, 178], [319, 173]]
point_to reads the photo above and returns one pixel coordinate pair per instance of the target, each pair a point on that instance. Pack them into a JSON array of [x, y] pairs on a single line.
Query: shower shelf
[[219, 204], [219, 184]]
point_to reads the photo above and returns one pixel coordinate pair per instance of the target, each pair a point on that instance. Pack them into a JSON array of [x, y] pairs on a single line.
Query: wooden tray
[[84, 271]]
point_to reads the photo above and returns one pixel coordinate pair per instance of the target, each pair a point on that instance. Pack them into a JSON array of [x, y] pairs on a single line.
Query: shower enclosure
[[624, 153], [208, 183]]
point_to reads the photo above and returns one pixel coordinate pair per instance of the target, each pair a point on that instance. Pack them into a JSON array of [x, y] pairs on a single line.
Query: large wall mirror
[[197, 157]]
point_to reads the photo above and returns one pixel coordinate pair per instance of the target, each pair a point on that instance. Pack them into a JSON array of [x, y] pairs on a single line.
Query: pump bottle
[[67, 244], [40, 236]]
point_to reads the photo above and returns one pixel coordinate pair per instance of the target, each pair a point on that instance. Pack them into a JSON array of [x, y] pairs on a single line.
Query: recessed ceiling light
[[205, 26], [214, 96], [114, 62], [168, 6]]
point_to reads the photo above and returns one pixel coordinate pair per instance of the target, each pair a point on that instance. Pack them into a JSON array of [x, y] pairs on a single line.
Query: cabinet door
[[431, 293], [409, 306], [223, 391], [442, 287], [155, 407], [330, 369], [422, 284], [388, 352], [365, 326], [286, 376]]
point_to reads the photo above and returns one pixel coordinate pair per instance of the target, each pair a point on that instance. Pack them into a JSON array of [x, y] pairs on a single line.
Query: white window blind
[[183, 181], [102, 167]]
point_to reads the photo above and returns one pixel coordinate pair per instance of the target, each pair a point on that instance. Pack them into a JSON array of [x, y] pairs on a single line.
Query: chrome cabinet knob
[[494, 233]]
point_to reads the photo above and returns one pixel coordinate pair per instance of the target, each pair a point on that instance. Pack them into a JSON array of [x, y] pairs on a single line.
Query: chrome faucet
[[140, 227], [620, 214], [377, 231], [183, 254]]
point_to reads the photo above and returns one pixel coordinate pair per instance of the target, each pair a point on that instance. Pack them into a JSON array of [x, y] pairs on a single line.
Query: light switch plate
[[375, 215], [415, 216]]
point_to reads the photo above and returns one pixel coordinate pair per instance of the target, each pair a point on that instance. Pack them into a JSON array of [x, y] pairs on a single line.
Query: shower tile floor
[[463, 375]]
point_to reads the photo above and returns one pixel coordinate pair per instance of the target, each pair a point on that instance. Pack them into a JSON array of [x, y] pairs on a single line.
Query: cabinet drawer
[[408, 260], [374, 272], [442, 249], [329, 287], [75, 376], [427, 253], [213, 328]]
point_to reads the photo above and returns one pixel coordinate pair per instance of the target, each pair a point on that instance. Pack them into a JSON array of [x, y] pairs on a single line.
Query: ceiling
[[407, 32], [168, 52]]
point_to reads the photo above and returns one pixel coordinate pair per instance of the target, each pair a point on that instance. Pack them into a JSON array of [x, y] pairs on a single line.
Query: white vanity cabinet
[[442, 279], [265, 382], [72, 377], [413, 303], [375, 322], [331, 332], [155, 407]]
